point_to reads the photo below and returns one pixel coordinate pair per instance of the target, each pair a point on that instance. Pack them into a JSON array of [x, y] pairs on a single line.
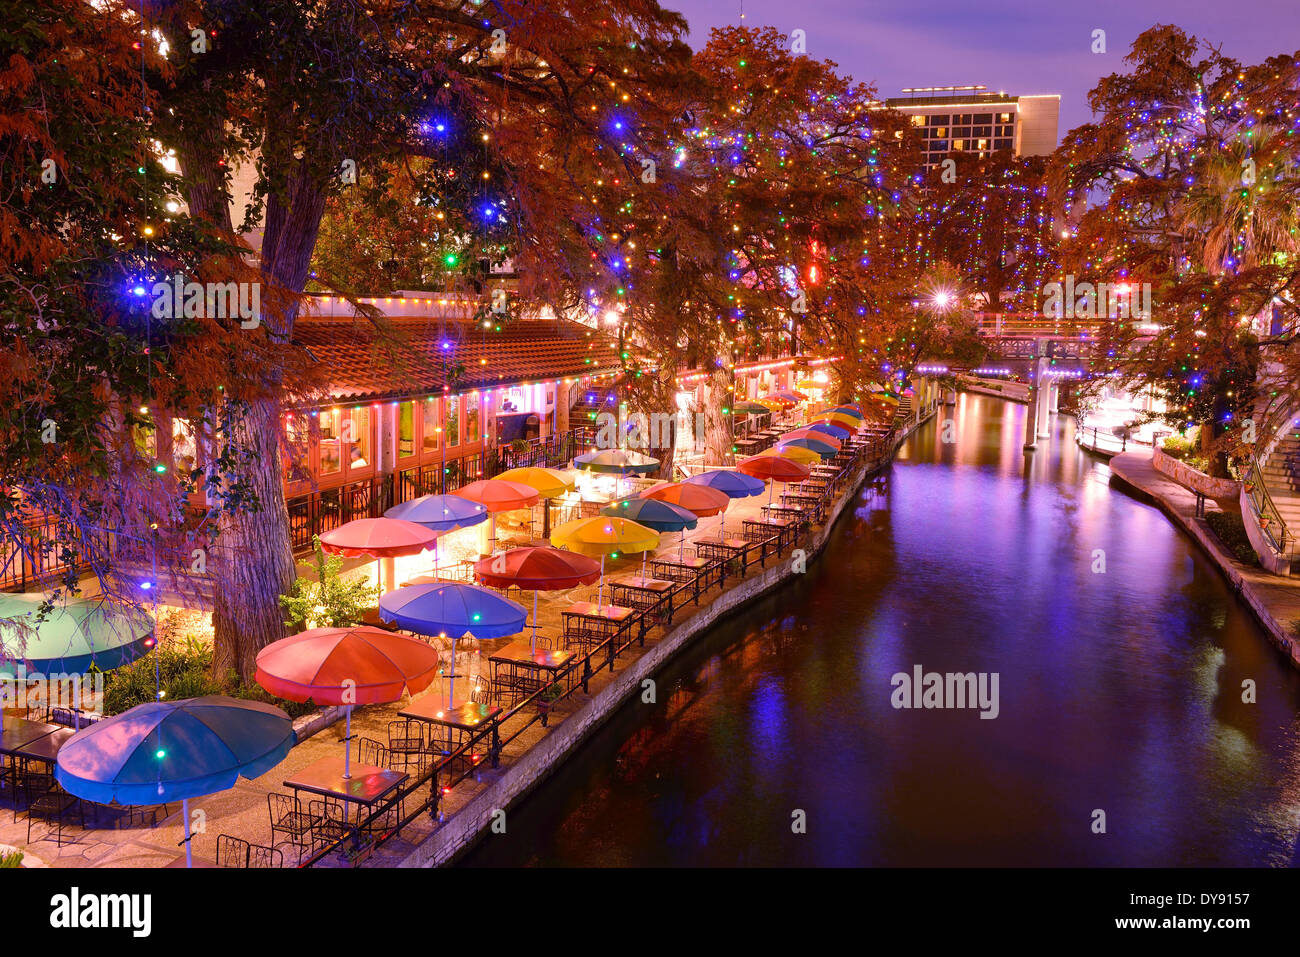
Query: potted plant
[[547, 700], [330, 600]]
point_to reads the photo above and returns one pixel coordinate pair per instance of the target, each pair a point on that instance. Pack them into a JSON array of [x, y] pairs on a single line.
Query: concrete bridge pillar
[[1055, 401], [949, 396], [1044, 401]]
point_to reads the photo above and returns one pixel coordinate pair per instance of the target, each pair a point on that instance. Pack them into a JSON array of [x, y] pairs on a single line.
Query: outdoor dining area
[[455, 665]]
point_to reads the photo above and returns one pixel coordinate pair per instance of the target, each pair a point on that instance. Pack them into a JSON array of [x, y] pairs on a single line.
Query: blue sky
[[1021, 46]]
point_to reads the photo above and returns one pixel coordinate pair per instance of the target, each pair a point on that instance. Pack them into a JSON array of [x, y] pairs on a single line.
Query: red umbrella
[[535, 569], [499, 495], [346, 666], [379, 538], [773, 467]]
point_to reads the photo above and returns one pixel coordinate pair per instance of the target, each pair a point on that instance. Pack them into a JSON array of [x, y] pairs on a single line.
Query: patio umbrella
[[617, 461], [700, 499], [834, 431], [498, 495], [77, 633], [838, 418], [604, 536], [539, 568], [453, 610], [773, 467], [824, 449], [441, 513], [794, 452], [163, 750], [730, 483], [548, 483], [746, 407], [812, 435], [774, 405], [654, 513], [379, 538], [789, 395], [692, 496], [849, 410], [347, 666]]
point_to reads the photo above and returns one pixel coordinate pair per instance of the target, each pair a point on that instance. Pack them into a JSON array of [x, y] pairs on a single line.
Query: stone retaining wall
[[1185, 475]]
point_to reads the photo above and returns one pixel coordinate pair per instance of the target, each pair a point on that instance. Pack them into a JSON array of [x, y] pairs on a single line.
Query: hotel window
[[406, 430], [429, 415], [1004, 117], [937, 120], [918, 120], [941, 132], [982, 145], [451, 424], [982, 131], [1002, 144], [958, 144], [983, 118], [473, 428]]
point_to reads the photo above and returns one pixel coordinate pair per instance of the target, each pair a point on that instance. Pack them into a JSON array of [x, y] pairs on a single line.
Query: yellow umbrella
[[549, 484], [604, 535], [795, 453], [772, 404], [812, 384], [840, 419]]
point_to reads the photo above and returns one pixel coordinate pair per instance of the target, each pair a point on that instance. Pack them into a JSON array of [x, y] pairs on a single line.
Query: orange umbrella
[[700, 499]]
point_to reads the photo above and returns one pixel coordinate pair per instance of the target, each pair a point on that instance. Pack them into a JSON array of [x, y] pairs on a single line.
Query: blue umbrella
[[653, 513], [834, 431], [163, 750], [735, 484], [452, 609], [442, 513]]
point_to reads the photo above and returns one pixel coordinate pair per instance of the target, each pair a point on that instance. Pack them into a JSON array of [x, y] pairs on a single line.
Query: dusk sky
[[1021, 46]]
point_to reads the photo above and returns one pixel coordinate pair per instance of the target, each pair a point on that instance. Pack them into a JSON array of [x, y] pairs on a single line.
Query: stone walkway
[[1274, 599]]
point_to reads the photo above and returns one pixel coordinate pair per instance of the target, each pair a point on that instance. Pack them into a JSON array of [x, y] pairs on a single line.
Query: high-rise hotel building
[[969, 119]]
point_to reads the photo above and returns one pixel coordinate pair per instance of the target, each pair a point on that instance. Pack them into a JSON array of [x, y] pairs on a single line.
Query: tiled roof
[[416, 355]]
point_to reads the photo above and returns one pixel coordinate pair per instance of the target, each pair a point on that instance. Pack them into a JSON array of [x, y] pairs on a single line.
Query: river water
[[1119, 693]]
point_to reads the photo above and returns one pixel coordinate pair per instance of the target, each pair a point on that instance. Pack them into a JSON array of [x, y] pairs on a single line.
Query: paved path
[[1274, 599]]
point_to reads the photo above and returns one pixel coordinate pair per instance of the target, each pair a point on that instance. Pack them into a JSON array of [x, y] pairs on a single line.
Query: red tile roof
[[406, 357]]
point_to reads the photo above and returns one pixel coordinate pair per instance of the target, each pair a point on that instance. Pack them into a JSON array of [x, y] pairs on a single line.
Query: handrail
[[1266, 512]]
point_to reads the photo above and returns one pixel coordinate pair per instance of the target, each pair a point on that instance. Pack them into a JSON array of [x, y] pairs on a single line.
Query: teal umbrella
[[74, 635]]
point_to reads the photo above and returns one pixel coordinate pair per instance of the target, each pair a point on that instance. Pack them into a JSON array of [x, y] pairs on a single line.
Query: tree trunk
[[718, 438], [253, 562], [256, 557]]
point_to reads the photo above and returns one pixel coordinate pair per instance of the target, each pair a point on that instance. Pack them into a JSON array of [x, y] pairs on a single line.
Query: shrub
[[330, 601], [1231, 531], [11, 859], [181, 668], [1180, 446]]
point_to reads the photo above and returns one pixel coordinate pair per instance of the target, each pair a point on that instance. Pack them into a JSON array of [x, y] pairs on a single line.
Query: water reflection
[[1121, 655]]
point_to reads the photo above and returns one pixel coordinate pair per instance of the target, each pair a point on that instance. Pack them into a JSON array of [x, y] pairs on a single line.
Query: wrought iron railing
[[1270, 521]]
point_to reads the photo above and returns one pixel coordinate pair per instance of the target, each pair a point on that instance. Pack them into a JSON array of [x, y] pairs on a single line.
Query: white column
[[1044, 395]]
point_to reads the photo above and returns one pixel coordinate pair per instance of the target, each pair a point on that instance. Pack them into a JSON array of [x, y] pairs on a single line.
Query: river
[[1121, 736]]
